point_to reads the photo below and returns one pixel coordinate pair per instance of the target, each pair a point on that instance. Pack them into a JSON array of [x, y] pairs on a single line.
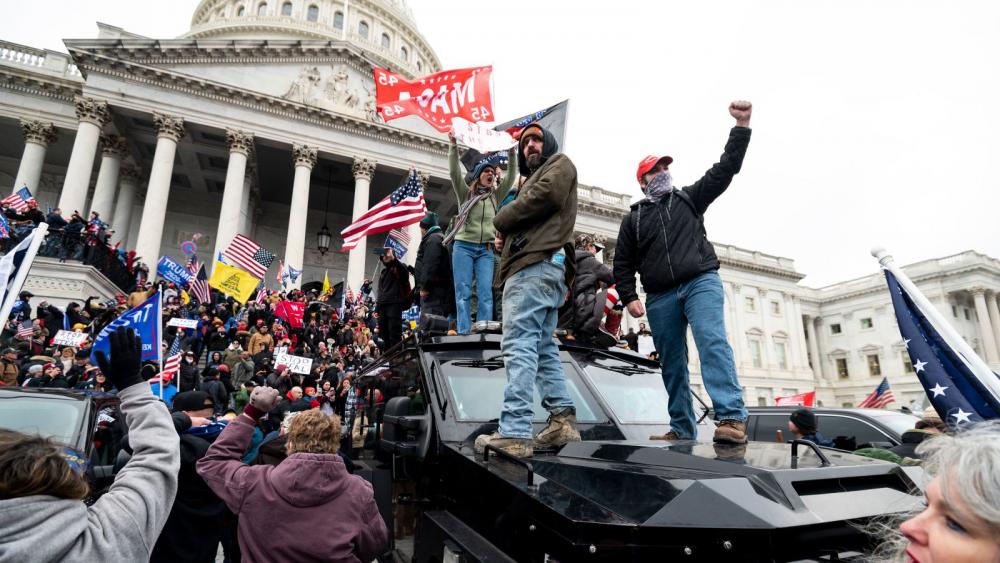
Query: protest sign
[[69, 338], [483, 139], [296, 364], [173, 272], [646, 346], [144, 320], [436, 98], [183, 323]]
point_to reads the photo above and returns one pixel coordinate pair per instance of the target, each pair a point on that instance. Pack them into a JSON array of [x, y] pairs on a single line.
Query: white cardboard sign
[[483, 139], [296, 364], [69, 338], [183, 323], [646, 346]]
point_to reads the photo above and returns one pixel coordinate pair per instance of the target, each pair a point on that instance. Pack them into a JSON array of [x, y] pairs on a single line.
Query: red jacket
[[304, 492]]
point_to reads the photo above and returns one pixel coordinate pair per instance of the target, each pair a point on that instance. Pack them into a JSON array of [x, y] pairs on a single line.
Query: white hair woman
[[961, 522]]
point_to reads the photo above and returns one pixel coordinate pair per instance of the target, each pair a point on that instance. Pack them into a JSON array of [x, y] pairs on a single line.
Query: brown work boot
[[517, 447], [731, 432], [669, 436], [559, 431]]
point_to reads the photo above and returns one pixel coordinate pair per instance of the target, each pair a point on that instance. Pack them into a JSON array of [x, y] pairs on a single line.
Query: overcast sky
[[874, 122]]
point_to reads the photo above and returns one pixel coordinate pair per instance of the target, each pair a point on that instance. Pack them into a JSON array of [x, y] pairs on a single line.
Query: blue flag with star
[[956, 391]]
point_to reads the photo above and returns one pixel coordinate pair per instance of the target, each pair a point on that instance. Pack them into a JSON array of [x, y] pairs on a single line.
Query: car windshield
[[56, 418], [899, 422], [477, 380], [636, 396]]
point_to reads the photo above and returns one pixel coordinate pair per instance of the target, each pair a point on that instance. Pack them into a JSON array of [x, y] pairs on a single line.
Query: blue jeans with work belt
[[700, 302], [531, 299]]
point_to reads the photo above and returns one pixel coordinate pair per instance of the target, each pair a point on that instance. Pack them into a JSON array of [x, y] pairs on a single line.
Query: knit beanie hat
[[429, 220], [805, 419]]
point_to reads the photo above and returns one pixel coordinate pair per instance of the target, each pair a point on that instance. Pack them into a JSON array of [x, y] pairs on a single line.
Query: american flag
[[879, 398], [349, 295], [249, 255], [199, 286], [404, 206], [18, 200], [400, 235], [25, 330], [261, 295], [171, 366], [175, 348], [961, 387], [4, 226]]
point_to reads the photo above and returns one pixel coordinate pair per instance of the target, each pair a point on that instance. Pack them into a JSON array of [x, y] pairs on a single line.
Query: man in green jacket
[[473, 233], [536, 264]]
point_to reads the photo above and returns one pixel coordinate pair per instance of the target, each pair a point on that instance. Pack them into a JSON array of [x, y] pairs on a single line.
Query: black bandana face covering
[[659, 186]]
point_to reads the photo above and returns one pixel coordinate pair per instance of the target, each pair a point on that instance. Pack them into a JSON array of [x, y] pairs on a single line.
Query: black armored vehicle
[[615, 496]]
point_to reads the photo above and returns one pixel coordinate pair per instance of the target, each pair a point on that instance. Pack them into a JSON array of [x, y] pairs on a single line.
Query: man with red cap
[[663, 238]]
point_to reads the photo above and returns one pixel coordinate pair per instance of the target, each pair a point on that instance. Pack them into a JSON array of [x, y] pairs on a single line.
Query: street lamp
[[323, 237]]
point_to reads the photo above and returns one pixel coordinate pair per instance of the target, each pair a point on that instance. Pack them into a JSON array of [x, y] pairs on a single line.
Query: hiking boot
[[731, 432], [559, 430], [669, 436], [517, 447]]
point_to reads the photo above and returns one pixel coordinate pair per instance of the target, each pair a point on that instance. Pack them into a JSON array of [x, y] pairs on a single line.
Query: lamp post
[[323, 237]]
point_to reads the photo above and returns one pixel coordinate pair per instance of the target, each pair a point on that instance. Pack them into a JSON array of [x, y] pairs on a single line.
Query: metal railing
[[68, 245]]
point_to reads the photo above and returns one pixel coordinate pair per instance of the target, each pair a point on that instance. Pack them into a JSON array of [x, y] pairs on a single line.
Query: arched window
[[363, 29], [286, 9], [404, 52], [386, 41], [338, 20], [241, 11], [262, 9], [420, 65], [312, 14]]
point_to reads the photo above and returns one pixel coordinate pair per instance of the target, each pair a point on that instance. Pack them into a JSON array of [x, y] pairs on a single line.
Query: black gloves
[[122, 368]]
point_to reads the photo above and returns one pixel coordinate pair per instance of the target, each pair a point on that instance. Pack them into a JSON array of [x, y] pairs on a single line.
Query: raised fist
[[264, 398], [741, 110]]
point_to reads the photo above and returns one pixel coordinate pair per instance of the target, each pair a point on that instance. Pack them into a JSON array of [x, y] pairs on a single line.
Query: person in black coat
[[216, 390], [589, 291], [432, 276], [393, 294]]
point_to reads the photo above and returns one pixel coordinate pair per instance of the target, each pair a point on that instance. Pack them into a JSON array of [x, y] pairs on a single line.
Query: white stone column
[[169, 131], [812, 336], [795, 337], [121, 221], [113, 150], [93, 114], [740, 335], [240, 148], [994, 308], [733, 329], [985, 327], [363, 170], [38, 135], [298, 214]]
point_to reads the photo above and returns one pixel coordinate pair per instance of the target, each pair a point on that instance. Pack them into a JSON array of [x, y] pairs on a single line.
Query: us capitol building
[[261, 120]]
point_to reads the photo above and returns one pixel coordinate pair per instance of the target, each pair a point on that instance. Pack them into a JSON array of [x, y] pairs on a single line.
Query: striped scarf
[[479, 193]]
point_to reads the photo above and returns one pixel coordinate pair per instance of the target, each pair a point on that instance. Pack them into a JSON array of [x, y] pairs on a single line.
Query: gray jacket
[[124, 523]]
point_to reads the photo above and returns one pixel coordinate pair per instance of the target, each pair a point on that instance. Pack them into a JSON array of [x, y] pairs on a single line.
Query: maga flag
[[233, 282], [291, 312], [436, 98]]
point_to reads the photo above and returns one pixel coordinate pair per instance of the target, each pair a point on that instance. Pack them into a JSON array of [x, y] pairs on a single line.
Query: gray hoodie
[[124, 523]]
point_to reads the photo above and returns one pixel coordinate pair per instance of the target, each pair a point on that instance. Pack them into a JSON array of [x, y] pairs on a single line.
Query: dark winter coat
[[216, 389], [587, 311], [393, 284], [433, 266], [190, 379], [666, 241], [542, 217]]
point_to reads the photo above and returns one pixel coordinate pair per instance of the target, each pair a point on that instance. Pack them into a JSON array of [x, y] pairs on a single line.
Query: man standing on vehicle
[[663, 238], [393, 293], [535, 232]]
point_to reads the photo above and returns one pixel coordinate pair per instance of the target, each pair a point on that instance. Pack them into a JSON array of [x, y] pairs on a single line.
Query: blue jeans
[[699, 302], [470, 260], [531, 299]]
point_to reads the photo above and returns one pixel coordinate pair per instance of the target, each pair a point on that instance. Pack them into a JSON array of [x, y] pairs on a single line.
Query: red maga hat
[[648, 163]]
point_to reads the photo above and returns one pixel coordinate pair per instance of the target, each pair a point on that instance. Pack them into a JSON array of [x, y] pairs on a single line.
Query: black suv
[[615, 496], [89, 422], [850, 429]]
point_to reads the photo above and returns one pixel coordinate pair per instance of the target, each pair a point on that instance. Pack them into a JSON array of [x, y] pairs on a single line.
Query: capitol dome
[[384, 29]]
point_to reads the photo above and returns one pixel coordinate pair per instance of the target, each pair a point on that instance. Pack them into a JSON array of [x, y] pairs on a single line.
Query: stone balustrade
[[38, 59]]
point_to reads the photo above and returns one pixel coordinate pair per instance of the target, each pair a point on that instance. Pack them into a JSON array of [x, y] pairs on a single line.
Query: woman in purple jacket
[[299, 493]]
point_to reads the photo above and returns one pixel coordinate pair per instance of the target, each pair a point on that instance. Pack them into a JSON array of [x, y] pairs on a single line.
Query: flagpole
[[965, 352], [22, 272], [159, 332]]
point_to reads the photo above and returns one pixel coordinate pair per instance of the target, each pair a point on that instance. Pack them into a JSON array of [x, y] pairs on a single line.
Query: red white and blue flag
[[25, 330], [249, 255], [199, 286], [880, 397], [404, 206], [19, 200]]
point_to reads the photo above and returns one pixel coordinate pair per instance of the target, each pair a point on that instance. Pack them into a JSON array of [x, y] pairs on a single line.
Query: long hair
[[34, 465], [967, 464]]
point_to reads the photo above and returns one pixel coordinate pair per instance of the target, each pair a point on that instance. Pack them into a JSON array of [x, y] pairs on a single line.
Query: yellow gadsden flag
[[326, 282], [233, 282]]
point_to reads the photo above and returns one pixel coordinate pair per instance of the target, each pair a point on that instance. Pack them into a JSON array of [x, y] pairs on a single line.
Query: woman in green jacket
[[472, 230]]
